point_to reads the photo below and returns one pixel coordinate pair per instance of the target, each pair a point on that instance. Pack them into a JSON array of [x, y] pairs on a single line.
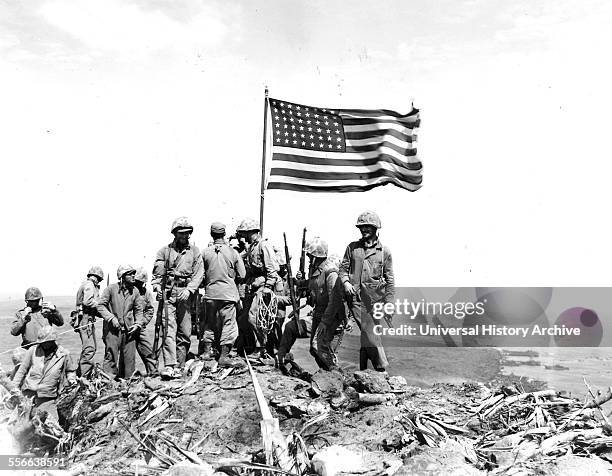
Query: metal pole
[[263, 164]]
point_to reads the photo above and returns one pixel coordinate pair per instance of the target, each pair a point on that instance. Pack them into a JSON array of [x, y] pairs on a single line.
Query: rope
[[36, 343], [266, 313]]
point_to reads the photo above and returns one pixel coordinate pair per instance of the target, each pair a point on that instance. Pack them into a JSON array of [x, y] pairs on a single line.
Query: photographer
[[37, 314]]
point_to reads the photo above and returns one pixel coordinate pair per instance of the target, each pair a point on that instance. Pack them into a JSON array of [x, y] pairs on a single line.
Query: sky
[[118, 116]]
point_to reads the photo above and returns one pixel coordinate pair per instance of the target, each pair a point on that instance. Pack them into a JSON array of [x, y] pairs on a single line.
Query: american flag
[[342, 150]]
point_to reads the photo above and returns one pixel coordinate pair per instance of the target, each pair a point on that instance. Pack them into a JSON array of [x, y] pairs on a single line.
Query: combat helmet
[[182, 224], [317, 247], [368, 218], [248, 224], [32, 294], [96, 271], [141, 275], [124, 269]]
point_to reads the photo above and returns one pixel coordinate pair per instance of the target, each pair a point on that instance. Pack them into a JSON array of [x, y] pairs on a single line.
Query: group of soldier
[[237, 291]]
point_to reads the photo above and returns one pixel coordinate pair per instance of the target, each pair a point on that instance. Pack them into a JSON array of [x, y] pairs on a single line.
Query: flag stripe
[[414, 114], [349, 168], [373, 134], [347, 155], [356, 121], [402, 151], [381, 126], [302, 185], [321, 161], [323, 176]]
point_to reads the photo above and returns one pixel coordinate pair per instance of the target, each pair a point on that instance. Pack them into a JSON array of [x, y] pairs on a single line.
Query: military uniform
[[86, 312], [28, 324], [120, 307], [222, 267], [42, 374], [185, 272], [143, 338], [370, 271]]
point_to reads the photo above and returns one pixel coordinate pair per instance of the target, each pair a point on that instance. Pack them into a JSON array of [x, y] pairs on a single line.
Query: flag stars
[[338, 146], [303, 143], [319, 129], [328, 131], [307, 114], [312, 144], [321, 145], [326, 123], [286, 133], [330, 146], [336, 124], [286, 141]]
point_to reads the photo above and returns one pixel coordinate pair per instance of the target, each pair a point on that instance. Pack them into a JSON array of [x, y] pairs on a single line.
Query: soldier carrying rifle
[[177, 274]]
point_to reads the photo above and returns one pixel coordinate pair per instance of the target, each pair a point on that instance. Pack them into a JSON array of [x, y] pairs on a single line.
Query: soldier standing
[[37, 314], [121, 306], [223, 268], [138, 332], [262, 277], [366, 272], [86, 312], [179, 270], [323, 274]]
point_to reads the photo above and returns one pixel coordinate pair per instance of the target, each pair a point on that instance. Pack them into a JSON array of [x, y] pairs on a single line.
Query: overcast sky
[[118, 116]]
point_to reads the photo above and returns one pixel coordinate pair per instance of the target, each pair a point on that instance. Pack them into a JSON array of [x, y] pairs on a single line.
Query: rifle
[[290, 281], [303, 255], [161, 323]]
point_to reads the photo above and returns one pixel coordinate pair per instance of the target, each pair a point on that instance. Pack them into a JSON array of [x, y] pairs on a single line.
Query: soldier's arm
[[240, 269], [89, 295], [270, 265], [388, 276], [24, 367], [138, 309], [18, 324], [343, 271], [103, 306], [148, 309], [159, 267], [198, 273], [55, 317], [330, 282]]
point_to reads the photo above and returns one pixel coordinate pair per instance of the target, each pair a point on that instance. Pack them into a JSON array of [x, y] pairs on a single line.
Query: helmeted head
[[47, 338], [33, 294], [97, 272], [217, 229], [248, 228], [141, 276], [181, 225], [368, 218], [317, 248], [125, 270]]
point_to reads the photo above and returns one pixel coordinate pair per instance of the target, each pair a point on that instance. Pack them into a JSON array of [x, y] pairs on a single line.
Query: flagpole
[[263, 164]]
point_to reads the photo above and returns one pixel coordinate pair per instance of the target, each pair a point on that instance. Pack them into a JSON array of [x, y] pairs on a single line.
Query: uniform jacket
[[320, 286], [185, 270], [261, 261], [148, 303], [370, 270], [87, 298], [29, 329], [117, 301], [222, 266], [44, 374]]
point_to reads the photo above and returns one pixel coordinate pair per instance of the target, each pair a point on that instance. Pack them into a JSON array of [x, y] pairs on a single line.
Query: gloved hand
[[114, 324], [26, 314], [134, 329], [183, 295], [349, 288]]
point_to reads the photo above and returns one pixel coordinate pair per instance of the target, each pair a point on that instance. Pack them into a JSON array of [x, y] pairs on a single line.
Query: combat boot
[[225, 361]]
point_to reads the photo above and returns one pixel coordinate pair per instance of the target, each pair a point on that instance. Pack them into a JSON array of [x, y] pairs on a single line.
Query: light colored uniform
[[222, 266], [185, 271], [86, 303], [29, 329]]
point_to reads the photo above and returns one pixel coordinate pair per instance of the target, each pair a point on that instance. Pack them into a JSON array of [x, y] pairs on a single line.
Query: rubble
[[242, 421]]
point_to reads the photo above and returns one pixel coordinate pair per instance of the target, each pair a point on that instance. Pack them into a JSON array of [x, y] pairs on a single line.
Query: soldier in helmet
[[138, 331], [323, 274], [121, 306], [179, 265], [45, 370], [366, 273], [85, 315], [262, 277], [223, 268], [37, 313]]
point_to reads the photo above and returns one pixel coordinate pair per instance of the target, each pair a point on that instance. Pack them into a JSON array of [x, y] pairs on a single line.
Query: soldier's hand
[[258, 282], [299, 275], [48, 305], [349, 288], [183, 295], [114, 324], [135, 329]]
